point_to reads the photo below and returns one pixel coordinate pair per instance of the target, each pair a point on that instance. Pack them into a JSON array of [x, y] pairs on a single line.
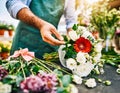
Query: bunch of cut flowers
[[23, 72], [82, 55]]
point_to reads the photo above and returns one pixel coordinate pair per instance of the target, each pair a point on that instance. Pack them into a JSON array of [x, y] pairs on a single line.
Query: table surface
[[110, 74]]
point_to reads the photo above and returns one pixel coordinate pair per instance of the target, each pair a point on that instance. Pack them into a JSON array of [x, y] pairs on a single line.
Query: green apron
[[29, 37]]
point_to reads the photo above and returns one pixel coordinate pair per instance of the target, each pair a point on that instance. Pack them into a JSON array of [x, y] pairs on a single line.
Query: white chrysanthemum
[[83, 69], [73, 89], [81, 57], [77, 79], [91, 83], [98, 47], [71, 63], [73, 35], [86, 34]]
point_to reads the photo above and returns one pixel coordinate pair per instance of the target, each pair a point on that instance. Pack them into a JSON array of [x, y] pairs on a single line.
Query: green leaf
[[65, 38], [18, 80], [10, 79], [61, 90], [59, 73], [66, 80], [75, 27], [35, 69]]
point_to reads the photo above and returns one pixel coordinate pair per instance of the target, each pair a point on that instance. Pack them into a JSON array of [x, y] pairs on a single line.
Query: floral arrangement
[[23, 72], [82, 53], [81, 50]]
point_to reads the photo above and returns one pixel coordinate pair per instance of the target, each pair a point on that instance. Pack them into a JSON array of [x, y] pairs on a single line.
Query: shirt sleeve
[[70, 13], [14, 6]]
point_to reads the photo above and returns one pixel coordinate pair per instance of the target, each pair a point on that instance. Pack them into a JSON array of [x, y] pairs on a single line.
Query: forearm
[[28, 17], [115, 4], [46, 29]]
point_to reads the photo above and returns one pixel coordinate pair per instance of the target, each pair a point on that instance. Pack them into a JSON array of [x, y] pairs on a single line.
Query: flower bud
[[107, 82], [118, 70], [100, 80]]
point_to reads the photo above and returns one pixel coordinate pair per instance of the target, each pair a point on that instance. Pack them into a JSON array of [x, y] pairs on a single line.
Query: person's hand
[[47, 31]]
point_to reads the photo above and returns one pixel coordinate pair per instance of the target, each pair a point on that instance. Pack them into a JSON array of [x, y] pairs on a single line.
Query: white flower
[[86, 34], [81, 57], [77, 79], [73, 89], [5, 88], [98, 47], [71, 63], [8, 88], [73, 35], [91, 83], [83, 69]]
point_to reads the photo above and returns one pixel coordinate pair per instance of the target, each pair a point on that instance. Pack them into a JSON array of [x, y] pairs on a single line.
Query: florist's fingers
[[57, 34], [51, 40]]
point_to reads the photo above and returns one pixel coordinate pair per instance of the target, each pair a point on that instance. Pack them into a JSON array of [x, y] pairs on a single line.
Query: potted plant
[[5, 47], [10, 29], [3, 27]]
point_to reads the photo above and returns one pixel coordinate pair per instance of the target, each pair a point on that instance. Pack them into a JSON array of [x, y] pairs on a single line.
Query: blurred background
[[102, 17]]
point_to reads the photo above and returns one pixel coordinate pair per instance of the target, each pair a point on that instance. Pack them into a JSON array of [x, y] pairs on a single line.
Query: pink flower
[[24, 53], [118, 32], [3, 73], [50, 81], [32, 83], [45, 83]]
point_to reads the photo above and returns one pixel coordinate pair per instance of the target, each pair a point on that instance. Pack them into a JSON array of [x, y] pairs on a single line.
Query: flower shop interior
[[87, 62]]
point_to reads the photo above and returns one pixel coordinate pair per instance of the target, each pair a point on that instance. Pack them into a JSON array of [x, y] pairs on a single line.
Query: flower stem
[[54, 66], [42, 65], [21, 62]]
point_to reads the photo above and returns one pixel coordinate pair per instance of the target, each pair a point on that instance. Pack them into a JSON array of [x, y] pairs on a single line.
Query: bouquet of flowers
[[23, 72], [82, 52]]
